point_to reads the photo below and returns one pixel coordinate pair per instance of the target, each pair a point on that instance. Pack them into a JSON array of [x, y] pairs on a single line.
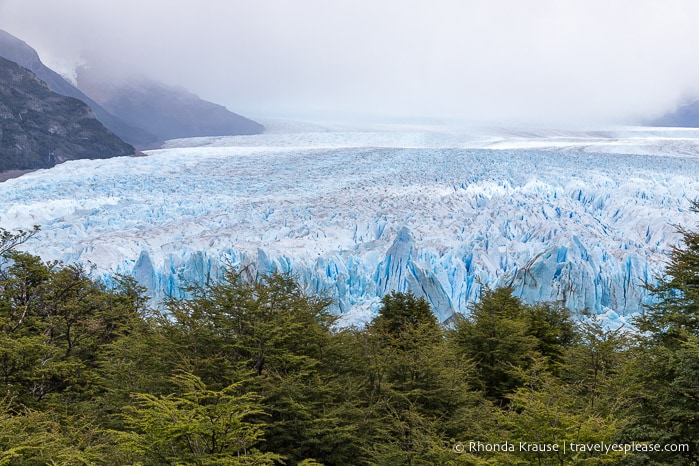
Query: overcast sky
[[557, 61]]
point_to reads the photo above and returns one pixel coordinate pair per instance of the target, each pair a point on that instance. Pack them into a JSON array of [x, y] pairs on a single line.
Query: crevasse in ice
[[582, 219]]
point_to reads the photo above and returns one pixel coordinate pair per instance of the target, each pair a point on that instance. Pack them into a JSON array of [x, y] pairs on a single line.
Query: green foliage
[[495, 338], [36, 437], [199, 426], [280, 343], [553, 332], [53, 322], [255, 372], [268, 327], [597, 368], [401, 313], [418, 387], [666, 411], [547, 412], [503, 336], [667, 368], [676, 313]]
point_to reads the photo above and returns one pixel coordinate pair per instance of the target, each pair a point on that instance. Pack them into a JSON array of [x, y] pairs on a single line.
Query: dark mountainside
[[166, 111], [686, 115], [143, 113], [19, 52], [40, 128]]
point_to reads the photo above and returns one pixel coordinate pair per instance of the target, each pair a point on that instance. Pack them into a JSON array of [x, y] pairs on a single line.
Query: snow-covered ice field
[[576, 217]]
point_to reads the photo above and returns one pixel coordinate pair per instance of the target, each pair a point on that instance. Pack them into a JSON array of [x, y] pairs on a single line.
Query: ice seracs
[[357, 214]]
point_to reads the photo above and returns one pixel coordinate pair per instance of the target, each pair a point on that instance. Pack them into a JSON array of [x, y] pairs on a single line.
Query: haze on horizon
[[549, 62]]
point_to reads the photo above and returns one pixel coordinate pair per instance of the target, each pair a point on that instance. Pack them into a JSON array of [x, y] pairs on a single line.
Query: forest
[[253, 371]]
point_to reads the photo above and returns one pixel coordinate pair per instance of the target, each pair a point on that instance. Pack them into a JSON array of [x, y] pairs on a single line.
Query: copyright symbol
[[459, 447]]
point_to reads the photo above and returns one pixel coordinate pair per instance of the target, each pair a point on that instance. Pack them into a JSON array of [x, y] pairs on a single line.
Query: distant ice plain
[[580, 218]]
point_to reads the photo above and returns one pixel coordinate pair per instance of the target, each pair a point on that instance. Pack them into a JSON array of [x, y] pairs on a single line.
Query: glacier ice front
[[355, 215]]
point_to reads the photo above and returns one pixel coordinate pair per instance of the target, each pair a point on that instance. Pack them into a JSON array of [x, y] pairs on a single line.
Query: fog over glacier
[[577, 218], [534, 62]]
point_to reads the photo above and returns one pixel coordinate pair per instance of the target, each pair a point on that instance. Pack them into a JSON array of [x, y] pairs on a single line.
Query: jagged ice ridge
[[582, 219]]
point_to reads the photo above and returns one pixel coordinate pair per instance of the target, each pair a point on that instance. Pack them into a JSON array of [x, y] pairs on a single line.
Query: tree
[[280, 344], [667, 367], [401, 313], [417, 393], [198, 426], [503, 334], [546, 412], [54, 321], [37, 437], [495, 337], [597, 365], [553, 331], [675, 316], [9, 241]]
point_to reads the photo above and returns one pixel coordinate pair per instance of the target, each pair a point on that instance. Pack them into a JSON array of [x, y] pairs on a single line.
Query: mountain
[[581, 219], [166, 111], [19, 52], [686, 115], [40, 128], [143, 112]]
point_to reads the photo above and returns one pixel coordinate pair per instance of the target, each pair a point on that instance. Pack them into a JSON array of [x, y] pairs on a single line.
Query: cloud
[[498, 60]]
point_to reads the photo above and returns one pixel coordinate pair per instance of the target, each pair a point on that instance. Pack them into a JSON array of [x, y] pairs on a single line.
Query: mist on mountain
[[19, 52], [40, 128], [167, 111], [141, 111]]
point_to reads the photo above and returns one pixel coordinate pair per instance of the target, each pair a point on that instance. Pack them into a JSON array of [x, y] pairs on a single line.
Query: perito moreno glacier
[[579, 218]]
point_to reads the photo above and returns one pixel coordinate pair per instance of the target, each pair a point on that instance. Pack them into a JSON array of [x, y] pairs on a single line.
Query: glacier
[[579, 218]]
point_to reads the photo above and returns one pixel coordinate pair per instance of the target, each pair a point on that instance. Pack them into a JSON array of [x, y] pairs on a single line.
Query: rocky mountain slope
[[142, 112], [40, 128], [19, 52]]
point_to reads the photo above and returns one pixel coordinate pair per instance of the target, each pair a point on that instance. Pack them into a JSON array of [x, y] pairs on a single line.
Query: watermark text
[[474, 446]]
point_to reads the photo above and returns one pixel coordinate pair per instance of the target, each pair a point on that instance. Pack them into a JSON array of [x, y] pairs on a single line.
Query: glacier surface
[[580, 218]]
